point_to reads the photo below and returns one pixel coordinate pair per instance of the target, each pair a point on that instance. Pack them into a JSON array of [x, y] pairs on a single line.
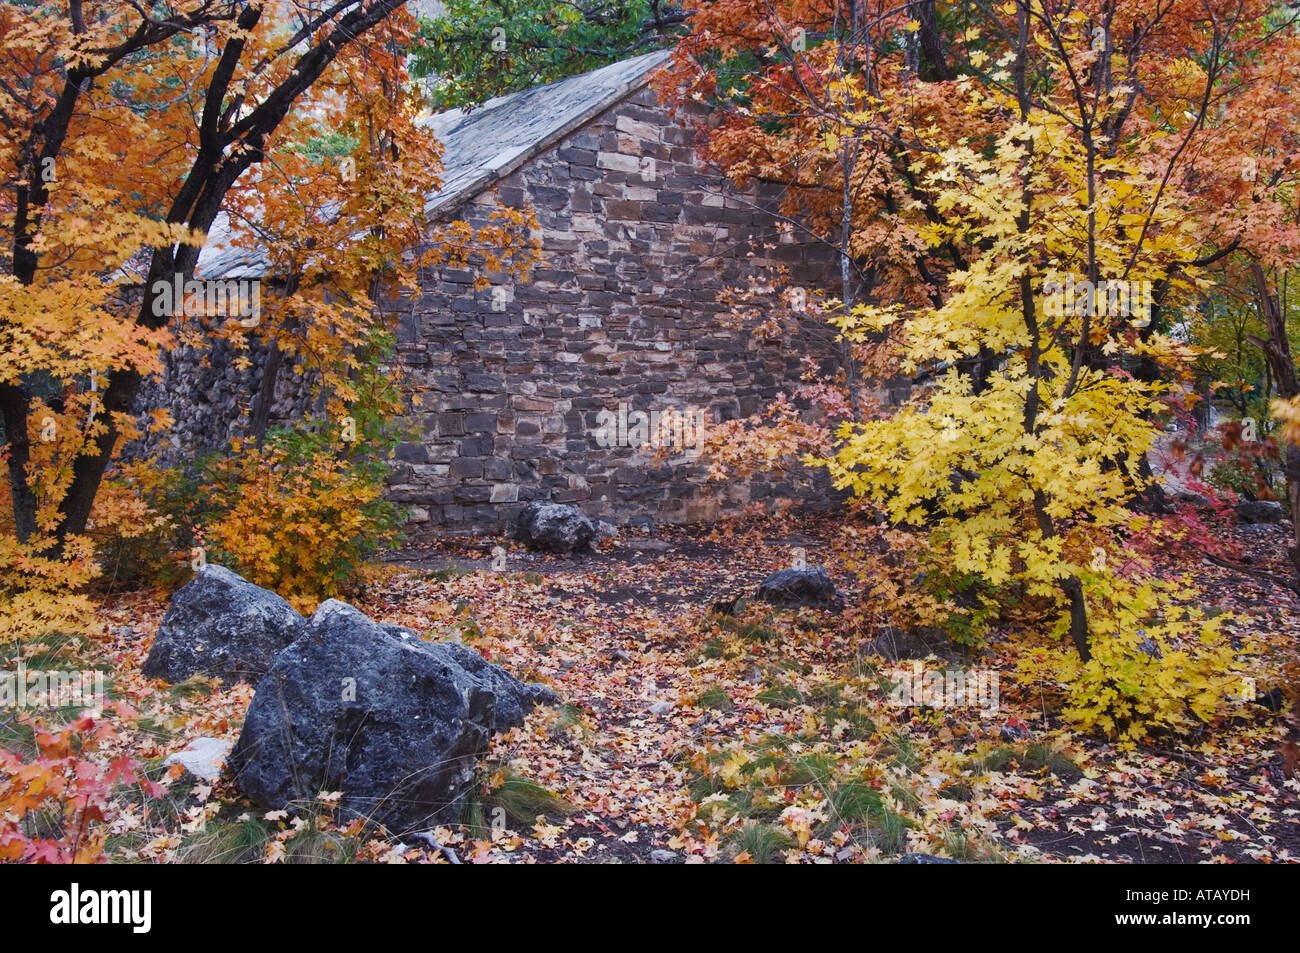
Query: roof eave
[[444, 206]]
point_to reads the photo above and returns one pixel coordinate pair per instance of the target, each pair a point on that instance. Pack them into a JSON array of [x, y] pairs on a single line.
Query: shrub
[[1156, 666], [145, 523], [54, 807], [296, 516], [39, 593], [299, 513]]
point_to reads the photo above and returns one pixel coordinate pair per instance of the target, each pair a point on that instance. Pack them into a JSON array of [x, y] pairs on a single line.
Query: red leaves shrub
[[54, 808]]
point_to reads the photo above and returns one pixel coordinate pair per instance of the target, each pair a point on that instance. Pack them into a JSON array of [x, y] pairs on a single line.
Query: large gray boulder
[[555, 528], [222, 625], [512, 699], [806, 587], [395, 723], [1259, 511]]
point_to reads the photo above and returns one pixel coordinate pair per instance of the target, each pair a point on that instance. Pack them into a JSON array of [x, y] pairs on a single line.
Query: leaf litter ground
[[685, 735]]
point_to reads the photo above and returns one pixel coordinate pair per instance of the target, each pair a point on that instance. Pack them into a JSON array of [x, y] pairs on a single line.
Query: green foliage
[[236, 842], [1233, 369], [479, 49], [510, 796], [974, 608], [780, 696], [761, 843], [1045, 756], [524, 800], [780, 792], [714, 697], [328, 145]]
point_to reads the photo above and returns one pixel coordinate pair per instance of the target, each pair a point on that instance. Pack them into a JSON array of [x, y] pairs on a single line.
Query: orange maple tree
[[128, 130]]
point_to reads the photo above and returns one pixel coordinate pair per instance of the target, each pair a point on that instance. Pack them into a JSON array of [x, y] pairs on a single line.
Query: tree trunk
[[261, 410], [1071, 587], [1277, 353], [848, 161], [216, 166]]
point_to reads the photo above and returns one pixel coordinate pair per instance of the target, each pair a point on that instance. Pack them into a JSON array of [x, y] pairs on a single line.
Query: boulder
[[220, 624], [1259, 511], [1012, 733], [807, 587], [395, 723], [555, 528], [895, 645], [513, 699]]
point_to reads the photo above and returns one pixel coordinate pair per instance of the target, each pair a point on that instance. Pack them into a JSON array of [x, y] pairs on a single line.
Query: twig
[[1289, 584], [428, 838]]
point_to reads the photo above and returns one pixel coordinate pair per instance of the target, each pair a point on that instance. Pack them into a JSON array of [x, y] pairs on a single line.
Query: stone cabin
[[510, 386]]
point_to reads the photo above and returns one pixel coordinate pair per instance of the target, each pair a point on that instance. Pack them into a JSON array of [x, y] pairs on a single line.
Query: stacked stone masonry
[[508, 383]]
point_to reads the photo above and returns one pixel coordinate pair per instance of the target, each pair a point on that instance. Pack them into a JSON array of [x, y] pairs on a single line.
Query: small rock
[[1011, 733], [649, 545], [895, 645], [661, 708], [925, 859], [661, 856], [555, 528], [606, 530], [1274, 699], [808, 587], [1146, 645], [202, 757], [729, 606], [1259, 511]]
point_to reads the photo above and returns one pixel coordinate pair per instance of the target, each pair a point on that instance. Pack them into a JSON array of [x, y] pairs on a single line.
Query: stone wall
[[507, 384], [209, 389]]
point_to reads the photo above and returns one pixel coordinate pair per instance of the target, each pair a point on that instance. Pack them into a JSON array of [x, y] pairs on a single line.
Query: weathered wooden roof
[[482, 146]]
